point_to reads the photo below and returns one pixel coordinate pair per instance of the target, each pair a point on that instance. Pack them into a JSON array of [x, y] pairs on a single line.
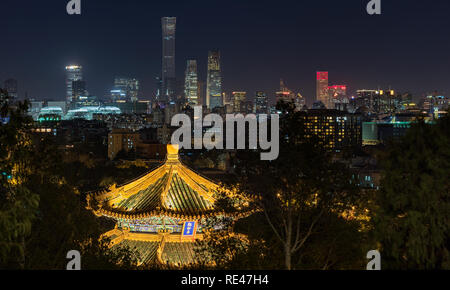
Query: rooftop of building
[[171, 190]]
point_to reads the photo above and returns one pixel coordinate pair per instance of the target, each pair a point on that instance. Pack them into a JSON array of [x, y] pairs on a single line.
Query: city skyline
[[225, 136], [250, 61]]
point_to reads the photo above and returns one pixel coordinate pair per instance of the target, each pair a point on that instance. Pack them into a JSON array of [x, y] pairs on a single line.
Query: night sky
[[407, 47]]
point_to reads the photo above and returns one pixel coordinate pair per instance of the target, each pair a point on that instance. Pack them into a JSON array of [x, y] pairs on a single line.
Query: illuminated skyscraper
[[119, 92], [201, 92], [287, 96], [337, 91], [239, 99], [73, 73], [78, 89], [133, 90], [125, 89], [337, 94], [168, 80], [322, 88], [261, 103], [214, 81], [376, 101], [284, 94], [335, 130], [191, 83]]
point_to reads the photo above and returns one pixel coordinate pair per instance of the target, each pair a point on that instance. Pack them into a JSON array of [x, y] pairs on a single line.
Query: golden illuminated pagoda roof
[[162, 249], [171, 190], [151, 211]]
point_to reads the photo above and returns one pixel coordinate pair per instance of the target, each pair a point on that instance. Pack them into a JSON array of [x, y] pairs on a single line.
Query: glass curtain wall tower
[[214, 81], [168, 80], [322, 88], [73, 74], [191, 83]]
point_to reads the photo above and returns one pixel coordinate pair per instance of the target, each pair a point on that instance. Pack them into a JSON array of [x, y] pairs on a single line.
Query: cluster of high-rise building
[[171, 97], [337, 117], [286, 95], [77, 95], [328, 95], [384, 113], [191, 92], [195, 92]]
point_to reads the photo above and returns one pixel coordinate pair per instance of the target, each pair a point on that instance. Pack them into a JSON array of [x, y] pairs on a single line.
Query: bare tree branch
[[297, 246], [272, 226]]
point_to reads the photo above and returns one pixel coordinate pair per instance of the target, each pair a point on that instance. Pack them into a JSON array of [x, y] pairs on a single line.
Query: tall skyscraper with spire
[[168, 76], [214, 81]]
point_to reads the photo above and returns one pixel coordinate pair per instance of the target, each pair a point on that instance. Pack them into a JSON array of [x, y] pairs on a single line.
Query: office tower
[[133, 90], [239, 99], [284, 94], [386, 102], [117, 95], [261, 103], [119, 91], [73, 73], [191, 83], [322, 89], [337, 94], [78, 90], [10, 86], [337, 91], [375, 101], [168, 80], [336, 130], [214, 81], [364, 98], [201, 93], [125, 89], [227, 99], [288, 96]]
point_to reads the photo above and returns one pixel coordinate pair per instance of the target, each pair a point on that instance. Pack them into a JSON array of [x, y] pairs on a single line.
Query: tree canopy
[[412, 217]]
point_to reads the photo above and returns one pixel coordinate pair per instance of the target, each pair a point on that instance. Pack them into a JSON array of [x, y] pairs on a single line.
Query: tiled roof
[[166, 250], [170, 189], [147, 251], [178, 253]]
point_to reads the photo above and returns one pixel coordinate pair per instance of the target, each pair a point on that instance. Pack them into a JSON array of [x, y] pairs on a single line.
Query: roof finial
[[172, 151]]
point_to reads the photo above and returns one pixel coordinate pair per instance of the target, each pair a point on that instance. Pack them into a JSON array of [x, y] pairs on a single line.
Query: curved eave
[[138, 216], [114, 195]]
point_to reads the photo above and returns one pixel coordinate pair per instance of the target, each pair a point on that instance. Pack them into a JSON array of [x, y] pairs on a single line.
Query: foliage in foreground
[[412, 220], [42, 214]]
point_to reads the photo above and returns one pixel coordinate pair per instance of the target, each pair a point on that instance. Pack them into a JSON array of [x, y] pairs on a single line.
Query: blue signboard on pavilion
[[189, 229]]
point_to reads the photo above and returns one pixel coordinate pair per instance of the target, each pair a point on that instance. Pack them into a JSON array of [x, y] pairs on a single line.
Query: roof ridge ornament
[[172, 151]]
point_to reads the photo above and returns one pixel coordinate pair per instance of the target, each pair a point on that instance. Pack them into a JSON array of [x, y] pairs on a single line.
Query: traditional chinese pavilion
[[160, 214]]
